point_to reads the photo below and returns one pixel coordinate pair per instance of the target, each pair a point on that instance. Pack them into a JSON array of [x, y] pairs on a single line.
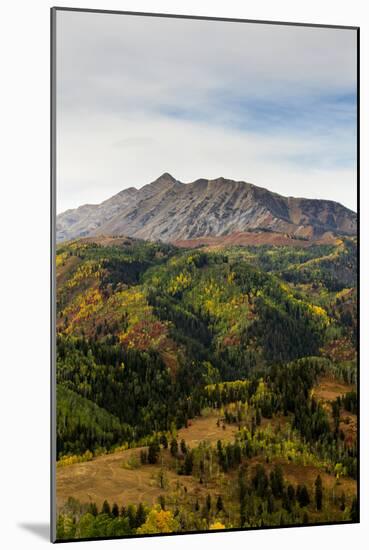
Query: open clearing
[[328, 389], [108, 477], [105, 477], [205, 428]]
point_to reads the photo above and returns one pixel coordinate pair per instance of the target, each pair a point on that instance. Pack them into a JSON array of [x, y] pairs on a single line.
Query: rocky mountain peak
[[170, 210]]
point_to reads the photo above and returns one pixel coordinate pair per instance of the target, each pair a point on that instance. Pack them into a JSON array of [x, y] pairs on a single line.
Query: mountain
[[169, 210]]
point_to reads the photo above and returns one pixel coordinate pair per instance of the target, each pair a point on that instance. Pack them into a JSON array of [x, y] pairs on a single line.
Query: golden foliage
[[179, 283], [85, 271], [75, 459], [159, 521], [216, 525]]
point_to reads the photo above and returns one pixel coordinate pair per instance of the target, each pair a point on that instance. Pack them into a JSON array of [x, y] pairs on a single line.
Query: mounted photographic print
[[204, 274]]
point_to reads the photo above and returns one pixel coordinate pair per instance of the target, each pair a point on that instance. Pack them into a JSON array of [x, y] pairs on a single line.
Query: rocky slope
[[170, 210]]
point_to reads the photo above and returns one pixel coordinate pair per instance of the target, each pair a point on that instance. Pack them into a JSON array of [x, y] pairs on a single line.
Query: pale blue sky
[[138, 96]]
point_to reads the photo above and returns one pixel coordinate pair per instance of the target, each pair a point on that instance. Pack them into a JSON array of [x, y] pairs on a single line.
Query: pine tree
[[188, 464], [152, 456], [277, 481], [93, 509], [318, 493], [219, 504], [258, 417], [303, 496], [260, 481], [253, 426], [106, 508], [291, 493], [174, 447], [115, 510], [140, 515], [131, 515], [183, 447], [270, 502]]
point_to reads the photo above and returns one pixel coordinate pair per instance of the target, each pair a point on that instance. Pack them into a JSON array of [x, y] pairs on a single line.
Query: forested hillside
[[151, 337]]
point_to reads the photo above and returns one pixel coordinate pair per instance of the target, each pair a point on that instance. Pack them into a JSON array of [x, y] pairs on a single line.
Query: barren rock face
[[170, 210]]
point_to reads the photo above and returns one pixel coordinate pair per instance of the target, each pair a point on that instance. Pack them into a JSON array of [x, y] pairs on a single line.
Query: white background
[[24, 269]]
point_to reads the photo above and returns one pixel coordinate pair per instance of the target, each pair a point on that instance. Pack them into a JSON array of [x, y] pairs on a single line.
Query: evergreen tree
[[152, 456], [270, 502], [183, 447], [174, 447], [260, 481], [286, 502], [277, 481], [106, 508], [188, 464], [93, 509], [258, 417], [219, 504], [291, 493], [115, 510], [140, 515], [302, 495], [131, 515], [318, 493]]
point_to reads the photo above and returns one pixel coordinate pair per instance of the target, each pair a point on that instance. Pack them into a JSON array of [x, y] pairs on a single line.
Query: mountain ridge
[[170, 210]]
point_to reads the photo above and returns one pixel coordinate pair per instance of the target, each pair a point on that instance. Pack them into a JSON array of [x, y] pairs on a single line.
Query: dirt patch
[[206, 429], [348, 425], [329, 389], [254, 238]]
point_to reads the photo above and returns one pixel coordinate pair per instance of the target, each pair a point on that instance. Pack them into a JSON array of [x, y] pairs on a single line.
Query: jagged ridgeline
[[145, 329], [221, 209]]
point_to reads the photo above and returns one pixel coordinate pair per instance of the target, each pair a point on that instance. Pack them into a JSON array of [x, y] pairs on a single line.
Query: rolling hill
[[189, 376]]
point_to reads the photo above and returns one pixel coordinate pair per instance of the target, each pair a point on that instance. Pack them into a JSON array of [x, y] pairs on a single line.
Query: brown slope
[[253, 238]]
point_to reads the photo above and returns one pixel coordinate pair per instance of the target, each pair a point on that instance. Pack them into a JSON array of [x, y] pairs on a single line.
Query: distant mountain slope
[[170, 210]]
